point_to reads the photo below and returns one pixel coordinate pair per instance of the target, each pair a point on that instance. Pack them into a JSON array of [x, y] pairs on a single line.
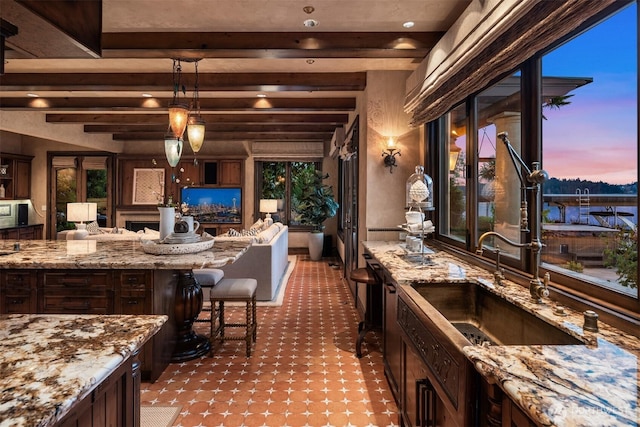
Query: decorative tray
[[156, 247]]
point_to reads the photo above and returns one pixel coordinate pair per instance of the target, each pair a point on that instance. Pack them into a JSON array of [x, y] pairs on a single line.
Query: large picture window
[[572, 110]]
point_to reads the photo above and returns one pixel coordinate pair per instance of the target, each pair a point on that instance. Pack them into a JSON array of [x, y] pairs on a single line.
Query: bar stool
[[207, 278], [369, 278], [233, 290]]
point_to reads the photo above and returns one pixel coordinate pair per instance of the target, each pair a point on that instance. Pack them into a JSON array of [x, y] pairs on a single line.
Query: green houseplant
[[317, 204]]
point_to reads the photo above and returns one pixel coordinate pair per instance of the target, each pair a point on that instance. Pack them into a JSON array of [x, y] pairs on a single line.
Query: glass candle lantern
[[420, 190]]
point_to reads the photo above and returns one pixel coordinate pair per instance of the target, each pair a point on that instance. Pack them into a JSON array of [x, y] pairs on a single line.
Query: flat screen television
[[213, 205]]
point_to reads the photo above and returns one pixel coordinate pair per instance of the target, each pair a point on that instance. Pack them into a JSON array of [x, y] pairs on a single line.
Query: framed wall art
[[148, 186]]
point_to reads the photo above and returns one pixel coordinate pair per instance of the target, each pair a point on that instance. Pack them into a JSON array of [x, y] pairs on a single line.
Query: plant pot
[[316, 243]]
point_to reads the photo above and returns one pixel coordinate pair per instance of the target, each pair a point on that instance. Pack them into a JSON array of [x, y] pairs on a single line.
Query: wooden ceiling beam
[[145, 82], [233, 136], [194, 45], [89, 118], [215, 127], [206, 104]]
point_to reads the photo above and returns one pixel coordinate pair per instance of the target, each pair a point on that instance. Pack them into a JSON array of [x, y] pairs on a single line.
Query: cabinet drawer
[[133, 305], [76, 282], [19, 280], [133, 282], [80, 304], [17, 303]]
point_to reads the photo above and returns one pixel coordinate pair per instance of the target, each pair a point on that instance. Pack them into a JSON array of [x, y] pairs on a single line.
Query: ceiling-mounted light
[[172, 149], [310, 23], [178, 111], [196, 126], [408, 24]]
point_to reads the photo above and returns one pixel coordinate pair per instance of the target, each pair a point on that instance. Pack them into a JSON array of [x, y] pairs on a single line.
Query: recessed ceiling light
[[308, 9], [261, 95], [310, 23], [408, 24], [147, 95], [33, 95], [310, 61]]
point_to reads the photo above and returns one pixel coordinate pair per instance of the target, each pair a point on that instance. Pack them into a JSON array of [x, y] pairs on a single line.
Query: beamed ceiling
[[90, 62]]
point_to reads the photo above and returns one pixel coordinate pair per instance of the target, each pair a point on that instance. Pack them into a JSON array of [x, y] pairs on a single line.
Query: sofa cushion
[[93, 227], [265, 236]]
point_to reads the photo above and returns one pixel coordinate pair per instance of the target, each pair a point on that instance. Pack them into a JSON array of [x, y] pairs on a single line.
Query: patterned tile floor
[[303, 370]]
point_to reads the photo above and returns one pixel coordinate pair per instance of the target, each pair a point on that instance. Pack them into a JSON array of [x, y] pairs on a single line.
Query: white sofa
[[264, 261]]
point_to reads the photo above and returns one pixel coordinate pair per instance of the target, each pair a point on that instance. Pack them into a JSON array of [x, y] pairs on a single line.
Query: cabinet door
[[86, 292], [134, 292], [22, 179], [18, 290], [392, 344], [230, 172], [189, 173]]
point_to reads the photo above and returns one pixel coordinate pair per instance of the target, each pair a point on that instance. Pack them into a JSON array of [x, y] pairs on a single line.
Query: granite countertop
[[50, 362], [87, 254], [556, 385]]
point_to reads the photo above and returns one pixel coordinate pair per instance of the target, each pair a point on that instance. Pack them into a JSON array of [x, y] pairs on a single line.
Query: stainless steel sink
[[485, 318]]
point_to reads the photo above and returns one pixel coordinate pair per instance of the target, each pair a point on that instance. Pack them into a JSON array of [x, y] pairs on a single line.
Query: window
[[590, 140], [573, 110], [285, 182]]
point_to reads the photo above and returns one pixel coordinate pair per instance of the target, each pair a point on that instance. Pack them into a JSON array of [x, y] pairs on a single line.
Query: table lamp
[[81, 212], [268, 206]]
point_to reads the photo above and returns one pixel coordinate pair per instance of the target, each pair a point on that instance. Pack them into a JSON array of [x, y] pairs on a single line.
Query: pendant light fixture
[[196, 125], [172, 149], [178, 111]]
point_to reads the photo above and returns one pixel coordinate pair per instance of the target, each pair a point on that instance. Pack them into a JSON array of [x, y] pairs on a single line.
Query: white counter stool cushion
[[228, 290]]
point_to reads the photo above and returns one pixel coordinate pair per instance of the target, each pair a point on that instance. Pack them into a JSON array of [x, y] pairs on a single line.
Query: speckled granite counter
[[597, 384], [59, 254], [48, 363]]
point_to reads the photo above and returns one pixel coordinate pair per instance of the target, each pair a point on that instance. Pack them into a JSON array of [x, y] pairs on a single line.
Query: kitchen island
[[118, 277], [72, 369], [592, 384]]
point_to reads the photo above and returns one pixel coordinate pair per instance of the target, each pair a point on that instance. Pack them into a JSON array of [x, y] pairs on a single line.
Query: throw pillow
[[233, 233], [93, 228], [258, 224]]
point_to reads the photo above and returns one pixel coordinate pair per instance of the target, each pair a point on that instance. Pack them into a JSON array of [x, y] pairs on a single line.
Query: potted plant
[[317, 204]]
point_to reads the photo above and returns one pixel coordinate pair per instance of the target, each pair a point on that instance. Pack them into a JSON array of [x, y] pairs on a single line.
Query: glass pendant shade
[[173, 149], [178, 116], [195, 132]]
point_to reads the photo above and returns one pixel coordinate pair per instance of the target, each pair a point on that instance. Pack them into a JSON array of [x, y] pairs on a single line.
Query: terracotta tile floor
[[303, 370]]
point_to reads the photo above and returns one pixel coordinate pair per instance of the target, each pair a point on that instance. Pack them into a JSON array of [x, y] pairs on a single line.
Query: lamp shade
[[172, 149], [80, 212], [268, 205], [178, 116], [195, 132]]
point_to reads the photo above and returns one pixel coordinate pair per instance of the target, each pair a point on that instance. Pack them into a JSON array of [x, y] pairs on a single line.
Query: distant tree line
[[569, 186]]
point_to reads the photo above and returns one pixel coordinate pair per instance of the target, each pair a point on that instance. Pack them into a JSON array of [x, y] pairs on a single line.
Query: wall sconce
[[390, 154], [454, 153]]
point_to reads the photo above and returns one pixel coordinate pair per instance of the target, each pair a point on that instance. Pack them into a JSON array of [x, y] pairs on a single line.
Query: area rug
[[158, 416]]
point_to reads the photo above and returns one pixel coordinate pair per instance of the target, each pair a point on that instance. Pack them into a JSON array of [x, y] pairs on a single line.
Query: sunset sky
[[596, 136]]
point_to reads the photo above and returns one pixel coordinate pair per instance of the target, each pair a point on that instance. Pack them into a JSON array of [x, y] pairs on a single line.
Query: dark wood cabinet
[[135, 292], [81, 292], [23, 232], [392, 339], [18, 292], [230, 173], [15, 176]]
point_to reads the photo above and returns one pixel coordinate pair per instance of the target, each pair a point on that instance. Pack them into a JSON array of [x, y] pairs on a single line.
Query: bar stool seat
[[369, 278], [233, 290]]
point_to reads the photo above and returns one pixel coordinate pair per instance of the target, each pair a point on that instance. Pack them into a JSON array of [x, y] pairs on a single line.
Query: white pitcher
[[167, 220]]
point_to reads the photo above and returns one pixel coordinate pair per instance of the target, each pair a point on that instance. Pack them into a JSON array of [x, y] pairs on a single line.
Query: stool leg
[[249, 333], [221, 319], [363, 328], [254, 318]]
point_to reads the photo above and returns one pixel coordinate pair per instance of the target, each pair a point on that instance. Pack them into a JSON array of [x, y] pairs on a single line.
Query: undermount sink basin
[[485, 318]]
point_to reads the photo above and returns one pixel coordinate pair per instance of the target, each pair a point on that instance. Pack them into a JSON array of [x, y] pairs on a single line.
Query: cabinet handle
[[132, 279], [75, 283], [426, 410], [16, 301], [132, 302]]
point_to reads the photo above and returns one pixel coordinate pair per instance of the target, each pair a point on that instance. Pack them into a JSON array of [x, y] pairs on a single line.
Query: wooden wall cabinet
[[17, 179], [25, 232], [230, 173]]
